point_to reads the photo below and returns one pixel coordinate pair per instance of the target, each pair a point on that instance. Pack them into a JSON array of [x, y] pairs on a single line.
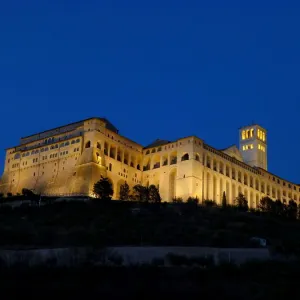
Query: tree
[[147, 193], [141, 193], [241, 202], [153, 193], [27, 193], [266, 205], [124, 191], [278, 208], [224, 200], [292, 210], [103, 189]]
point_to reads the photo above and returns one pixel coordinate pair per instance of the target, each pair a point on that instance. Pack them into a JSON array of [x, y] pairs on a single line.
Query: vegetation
[[241, 202], [124, 192], [103, 189], [224, 200], [149, 194]]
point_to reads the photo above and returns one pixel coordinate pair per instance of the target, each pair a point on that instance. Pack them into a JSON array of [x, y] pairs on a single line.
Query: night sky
[[155, 69]]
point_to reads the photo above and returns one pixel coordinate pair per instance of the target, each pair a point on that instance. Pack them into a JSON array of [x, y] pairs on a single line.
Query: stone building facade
[[68, 160]]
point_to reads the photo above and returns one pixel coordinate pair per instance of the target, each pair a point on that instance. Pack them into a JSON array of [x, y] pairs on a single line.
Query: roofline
[[169, 142], [59, 127]]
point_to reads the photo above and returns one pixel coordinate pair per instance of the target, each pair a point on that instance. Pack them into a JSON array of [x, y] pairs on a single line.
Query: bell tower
[[253, 145]]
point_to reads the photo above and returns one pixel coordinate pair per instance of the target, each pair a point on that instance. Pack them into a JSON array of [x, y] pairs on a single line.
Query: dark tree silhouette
[[241, 202], [141, 193], [153, 193], [266, 205], [224, 200], [147, 193], [292, 210], [103, 189], [124, 191]]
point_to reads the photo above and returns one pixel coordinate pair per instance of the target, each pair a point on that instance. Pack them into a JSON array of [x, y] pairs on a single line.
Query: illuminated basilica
[[68, 160]]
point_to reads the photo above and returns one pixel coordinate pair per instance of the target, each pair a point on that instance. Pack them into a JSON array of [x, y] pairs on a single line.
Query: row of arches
[[214, 186], [123, 156], [246, 179], [156, 161]]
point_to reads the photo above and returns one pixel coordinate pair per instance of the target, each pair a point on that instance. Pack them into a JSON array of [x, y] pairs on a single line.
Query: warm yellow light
[[243, 135], [259, 146], [263, 136], [251, 132]]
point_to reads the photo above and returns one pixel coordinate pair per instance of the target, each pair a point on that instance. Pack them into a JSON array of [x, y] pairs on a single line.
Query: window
[[243, 135], [185, 157], [88, 145]]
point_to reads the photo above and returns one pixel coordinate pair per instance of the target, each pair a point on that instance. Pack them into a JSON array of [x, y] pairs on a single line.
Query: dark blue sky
[[156, 69]]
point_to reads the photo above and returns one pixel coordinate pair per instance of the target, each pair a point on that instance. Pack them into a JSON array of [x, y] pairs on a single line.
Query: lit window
[[263, 136], [251, 132], [259, 146], [251, 146], [243, 135]]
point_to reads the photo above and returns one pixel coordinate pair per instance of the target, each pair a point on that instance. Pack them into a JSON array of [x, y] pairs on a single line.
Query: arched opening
[[87, 144], [197, 157], [155, 161], [214, 165], [251, 181], [132, 162], [245, 179], [153, 150], [208, 161], [112, 152], [126, 158], [172, 184], [119, 155], [98, 145], [227, 171], [173, 158], [239, 176], [233, 174], [165, 160], [146, 166], [185, 157], [105, 148], [148, 151], [221, 168]]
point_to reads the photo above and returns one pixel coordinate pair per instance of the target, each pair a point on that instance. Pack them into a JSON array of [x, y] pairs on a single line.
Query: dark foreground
[[271, 280]]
